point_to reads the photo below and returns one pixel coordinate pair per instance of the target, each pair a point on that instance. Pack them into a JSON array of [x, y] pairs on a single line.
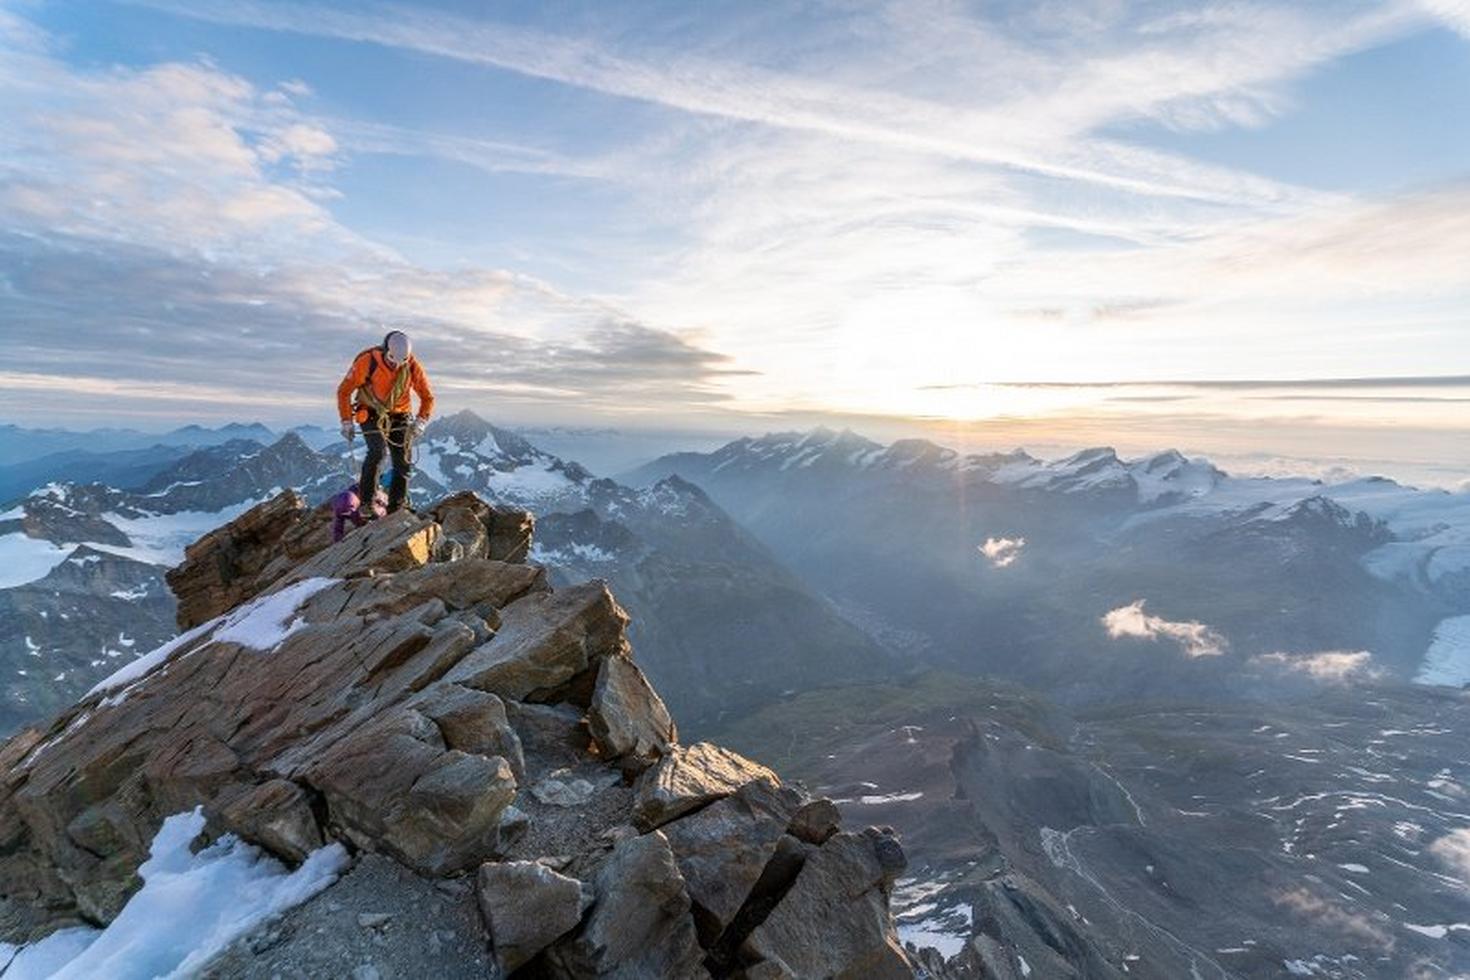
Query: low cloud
[[1333, 917], [1454, 850], [1333, 666], [1002, 552], [1195, 639], [108, 322]]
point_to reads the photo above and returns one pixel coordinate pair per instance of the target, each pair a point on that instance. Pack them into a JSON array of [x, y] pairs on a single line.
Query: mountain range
[[1094, 578], [1132, 717], [692, 578]]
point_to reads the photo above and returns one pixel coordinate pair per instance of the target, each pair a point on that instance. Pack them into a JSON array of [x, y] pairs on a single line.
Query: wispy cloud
[[1454, 13], [1008, 135], [167, 240], [860, 215], [1133, 622], [1335, 666], [1247, 384]]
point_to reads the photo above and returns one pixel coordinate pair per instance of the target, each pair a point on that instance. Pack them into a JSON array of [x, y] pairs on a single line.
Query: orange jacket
[[371, 362]]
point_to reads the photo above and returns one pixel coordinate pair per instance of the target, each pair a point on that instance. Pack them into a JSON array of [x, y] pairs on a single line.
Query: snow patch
[[190, 907], [260, 624], [885, 798]]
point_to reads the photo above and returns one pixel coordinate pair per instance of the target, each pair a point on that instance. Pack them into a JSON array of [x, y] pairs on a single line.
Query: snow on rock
[[526, 484], [574, 554], [265, 622], [260, 625], [190, 907]]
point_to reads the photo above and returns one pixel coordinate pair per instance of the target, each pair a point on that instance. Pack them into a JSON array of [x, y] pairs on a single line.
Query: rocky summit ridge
[[419, 694]]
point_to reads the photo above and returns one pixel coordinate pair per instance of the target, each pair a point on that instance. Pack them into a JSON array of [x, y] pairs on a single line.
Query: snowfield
[[25, 559], [190, 907]]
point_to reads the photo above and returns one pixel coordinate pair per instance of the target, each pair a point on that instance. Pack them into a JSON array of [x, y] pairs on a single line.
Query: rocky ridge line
[[418, 692]]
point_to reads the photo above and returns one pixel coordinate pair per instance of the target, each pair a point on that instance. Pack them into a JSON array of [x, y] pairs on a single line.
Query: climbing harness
[[369, 406]]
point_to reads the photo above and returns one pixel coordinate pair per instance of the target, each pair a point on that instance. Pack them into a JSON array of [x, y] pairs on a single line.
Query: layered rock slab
[[416, 690]]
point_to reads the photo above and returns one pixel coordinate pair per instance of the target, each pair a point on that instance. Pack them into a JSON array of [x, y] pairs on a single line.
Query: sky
[[1238, 227]]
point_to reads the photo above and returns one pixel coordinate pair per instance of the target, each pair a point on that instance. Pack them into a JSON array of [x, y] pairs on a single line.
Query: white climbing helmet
[[397, 348]]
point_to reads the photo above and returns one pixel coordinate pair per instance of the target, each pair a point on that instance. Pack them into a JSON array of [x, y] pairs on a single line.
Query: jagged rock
[[690, 777], [276, 815], [451, 816], [472, 721], [528, 906], [395, 543], [723, 849], [834, 920], [395, 691], [627, 717], [473, 582], [554, 736], [395, 786], [545, 643], [510, 534], [815, 821], [223, 568], [640, 925]]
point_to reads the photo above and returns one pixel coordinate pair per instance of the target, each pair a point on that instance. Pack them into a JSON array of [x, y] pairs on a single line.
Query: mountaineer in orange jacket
[[375, 395]]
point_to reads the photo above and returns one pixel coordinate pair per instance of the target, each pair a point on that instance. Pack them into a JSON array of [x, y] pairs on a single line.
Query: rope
[[383, 414]]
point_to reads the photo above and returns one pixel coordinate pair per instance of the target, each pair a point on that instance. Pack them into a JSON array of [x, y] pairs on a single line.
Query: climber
[[375, 395], [347, 506]]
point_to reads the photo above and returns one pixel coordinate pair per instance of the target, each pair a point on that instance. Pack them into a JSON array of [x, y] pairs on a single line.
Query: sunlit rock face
[[418, 692]]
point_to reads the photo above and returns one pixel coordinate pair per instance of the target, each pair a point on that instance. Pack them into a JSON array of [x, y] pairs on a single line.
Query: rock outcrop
[[418, 692]]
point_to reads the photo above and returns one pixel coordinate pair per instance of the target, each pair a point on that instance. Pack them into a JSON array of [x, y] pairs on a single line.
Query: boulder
[[510, 531], [546, 642], [627, 718], [690, 777], [815, 821], [277, 815], [834, 920], [224, 568], [472, 721], [450, 817], [462, 516], [527, 906], [476, 529], [640, 925], [723, 849], [395, 543]]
